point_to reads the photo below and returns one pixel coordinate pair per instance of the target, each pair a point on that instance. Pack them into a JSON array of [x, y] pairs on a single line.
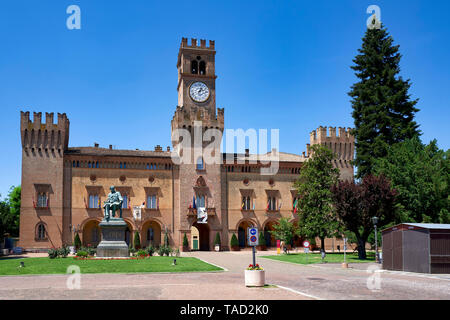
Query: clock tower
[[199, 171], [196, 75], [197, 87]]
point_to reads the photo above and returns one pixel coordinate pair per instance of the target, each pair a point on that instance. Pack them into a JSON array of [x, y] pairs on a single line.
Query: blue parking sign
[[252, 237]]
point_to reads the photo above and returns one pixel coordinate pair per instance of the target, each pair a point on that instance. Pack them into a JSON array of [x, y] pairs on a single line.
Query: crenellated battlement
[[341, 142], [184, 118], [194, 44], [37, 134], [323, 134]]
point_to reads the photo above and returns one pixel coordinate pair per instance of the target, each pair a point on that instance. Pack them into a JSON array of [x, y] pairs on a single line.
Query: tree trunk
[[361, 249], [322, 244]]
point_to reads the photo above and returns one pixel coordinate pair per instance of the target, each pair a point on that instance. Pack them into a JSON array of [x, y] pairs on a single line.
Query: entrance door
[[195, 243], [242, 233], [203, 236], [267, 237], [241, 237]]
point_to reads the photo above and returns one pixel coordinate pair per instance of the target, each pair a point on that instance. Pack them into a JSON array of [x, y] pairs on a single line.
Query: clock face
[[199, 92]]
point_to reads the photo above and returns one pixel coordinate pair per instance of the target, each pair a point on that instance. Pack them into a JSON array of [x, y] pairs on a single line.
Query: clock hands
[[199, 91]]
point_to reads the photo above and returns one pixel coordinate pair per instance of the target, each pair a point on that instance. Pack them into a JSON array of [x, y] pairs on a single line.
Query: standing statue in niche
[[113, 203]]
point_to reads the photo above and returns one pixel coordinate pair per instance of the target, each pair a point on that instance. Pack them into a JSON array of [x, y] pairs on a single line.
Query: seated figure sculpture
[[113, 203]]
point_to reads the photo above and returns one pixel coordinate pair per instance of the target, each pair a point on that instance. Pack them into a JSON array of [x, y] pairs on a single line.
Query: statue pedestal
[[113, 235]]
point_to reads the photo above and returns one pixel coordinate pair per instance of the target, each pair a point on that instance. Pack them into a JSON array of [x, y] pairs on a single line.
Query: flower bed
[[125, 258]]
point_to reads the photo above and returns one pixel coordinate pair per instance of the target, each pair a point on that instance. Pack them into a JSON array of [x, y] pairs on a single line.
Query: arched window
[[272, 204], [42, 200], [200, 202], [94, 202], [194, 67], [125, 201], [246, 203], [152, 202], [41, 233], [200, 164], [202, 67]]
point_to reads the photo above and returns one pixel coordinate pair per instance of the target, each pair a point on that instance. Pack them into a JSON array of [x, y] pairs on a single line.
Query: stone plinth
[[113, 239]]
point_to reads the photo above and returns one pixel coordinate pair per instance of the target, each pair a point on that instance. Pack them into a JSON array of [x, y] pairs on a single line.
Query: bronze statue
[[113, 203]]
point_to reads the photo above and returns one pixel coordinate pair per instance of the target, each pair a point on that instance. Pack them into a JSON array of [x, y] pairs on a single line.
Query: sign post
[[306, 245], [253, 235], [345, 265]]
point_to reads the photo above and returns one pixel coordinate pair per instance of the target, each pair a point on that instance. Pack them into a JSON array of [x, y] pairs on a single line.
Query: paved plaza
[[291, 282]]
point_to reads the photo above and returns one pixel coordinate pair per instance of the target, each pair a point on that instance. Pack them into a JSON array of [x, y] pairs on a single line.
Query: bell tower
[[196, 75], [197, 87], [201, 125]]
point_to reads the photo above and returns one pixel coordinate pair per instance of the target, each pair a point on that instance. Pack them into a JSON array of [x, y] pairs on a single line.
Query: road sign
[[305, 244], [306, 250], [253, 237]]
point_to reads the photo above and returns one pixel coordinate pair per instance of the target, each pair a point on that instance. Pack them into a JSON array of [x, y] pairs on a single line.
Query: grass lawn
[[310, 258], [9, 266]]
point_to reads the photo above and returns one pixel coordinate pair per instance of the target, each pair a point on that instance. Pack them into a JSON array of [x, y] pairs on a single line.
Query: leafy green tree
[[137, 241], [382, 108], [14, 210], [356, 203], [421, 175], [4, 211], [285, 230], [315, 211], [10, 213]]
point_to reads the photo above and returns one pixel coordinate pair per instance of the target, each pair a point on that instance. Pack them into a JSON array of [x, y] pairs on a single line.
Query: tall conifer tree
[[382, 108]]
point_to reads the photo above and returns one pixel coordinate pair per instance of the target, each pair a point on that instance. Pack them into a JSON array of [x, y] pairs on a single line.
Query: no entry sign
[[306, 244], [253, 237]]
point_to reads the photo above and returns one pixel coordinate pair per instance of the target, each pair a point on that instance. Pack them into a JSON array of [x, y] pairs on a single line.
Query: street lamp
[[375, 222]]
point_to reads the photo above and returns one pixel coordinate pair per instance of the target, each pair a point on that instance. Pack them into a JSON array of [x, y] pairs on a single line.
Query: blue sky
[[280, 64]]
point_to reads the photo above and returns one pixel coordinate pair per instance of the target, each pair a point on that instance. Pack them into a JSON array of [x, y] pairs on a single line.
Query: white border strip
[[299, 292], [224, 269]]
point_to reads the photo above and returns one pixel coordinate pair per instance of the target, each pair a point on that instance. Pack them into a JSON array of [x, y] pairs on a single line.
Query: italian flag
[[295, 205]]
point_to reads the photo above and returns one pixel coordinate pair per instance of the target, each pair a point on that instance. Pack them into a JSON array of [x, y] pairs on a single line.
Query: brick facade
[[69, 179]]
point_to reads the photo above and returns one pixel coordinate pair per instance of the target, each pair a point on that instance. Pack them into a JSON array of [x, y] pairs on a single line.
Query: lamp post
[[375, 222]]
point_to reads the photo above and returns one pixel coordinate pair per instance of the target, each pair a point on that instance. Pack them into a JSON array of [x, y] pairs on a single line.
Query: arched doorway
[[91, 234], [270, 239], [203, 235], [151, 234], [242, 233]]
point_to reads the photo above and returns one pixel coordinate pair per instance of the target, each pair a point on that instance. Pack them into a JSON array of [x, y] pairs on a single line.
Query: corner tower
[[43, 215], [342, 145]]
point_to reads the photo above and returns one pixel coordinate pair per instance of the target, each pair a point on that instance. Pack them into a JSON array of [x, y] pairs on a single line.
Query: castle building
[[63, 187]]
